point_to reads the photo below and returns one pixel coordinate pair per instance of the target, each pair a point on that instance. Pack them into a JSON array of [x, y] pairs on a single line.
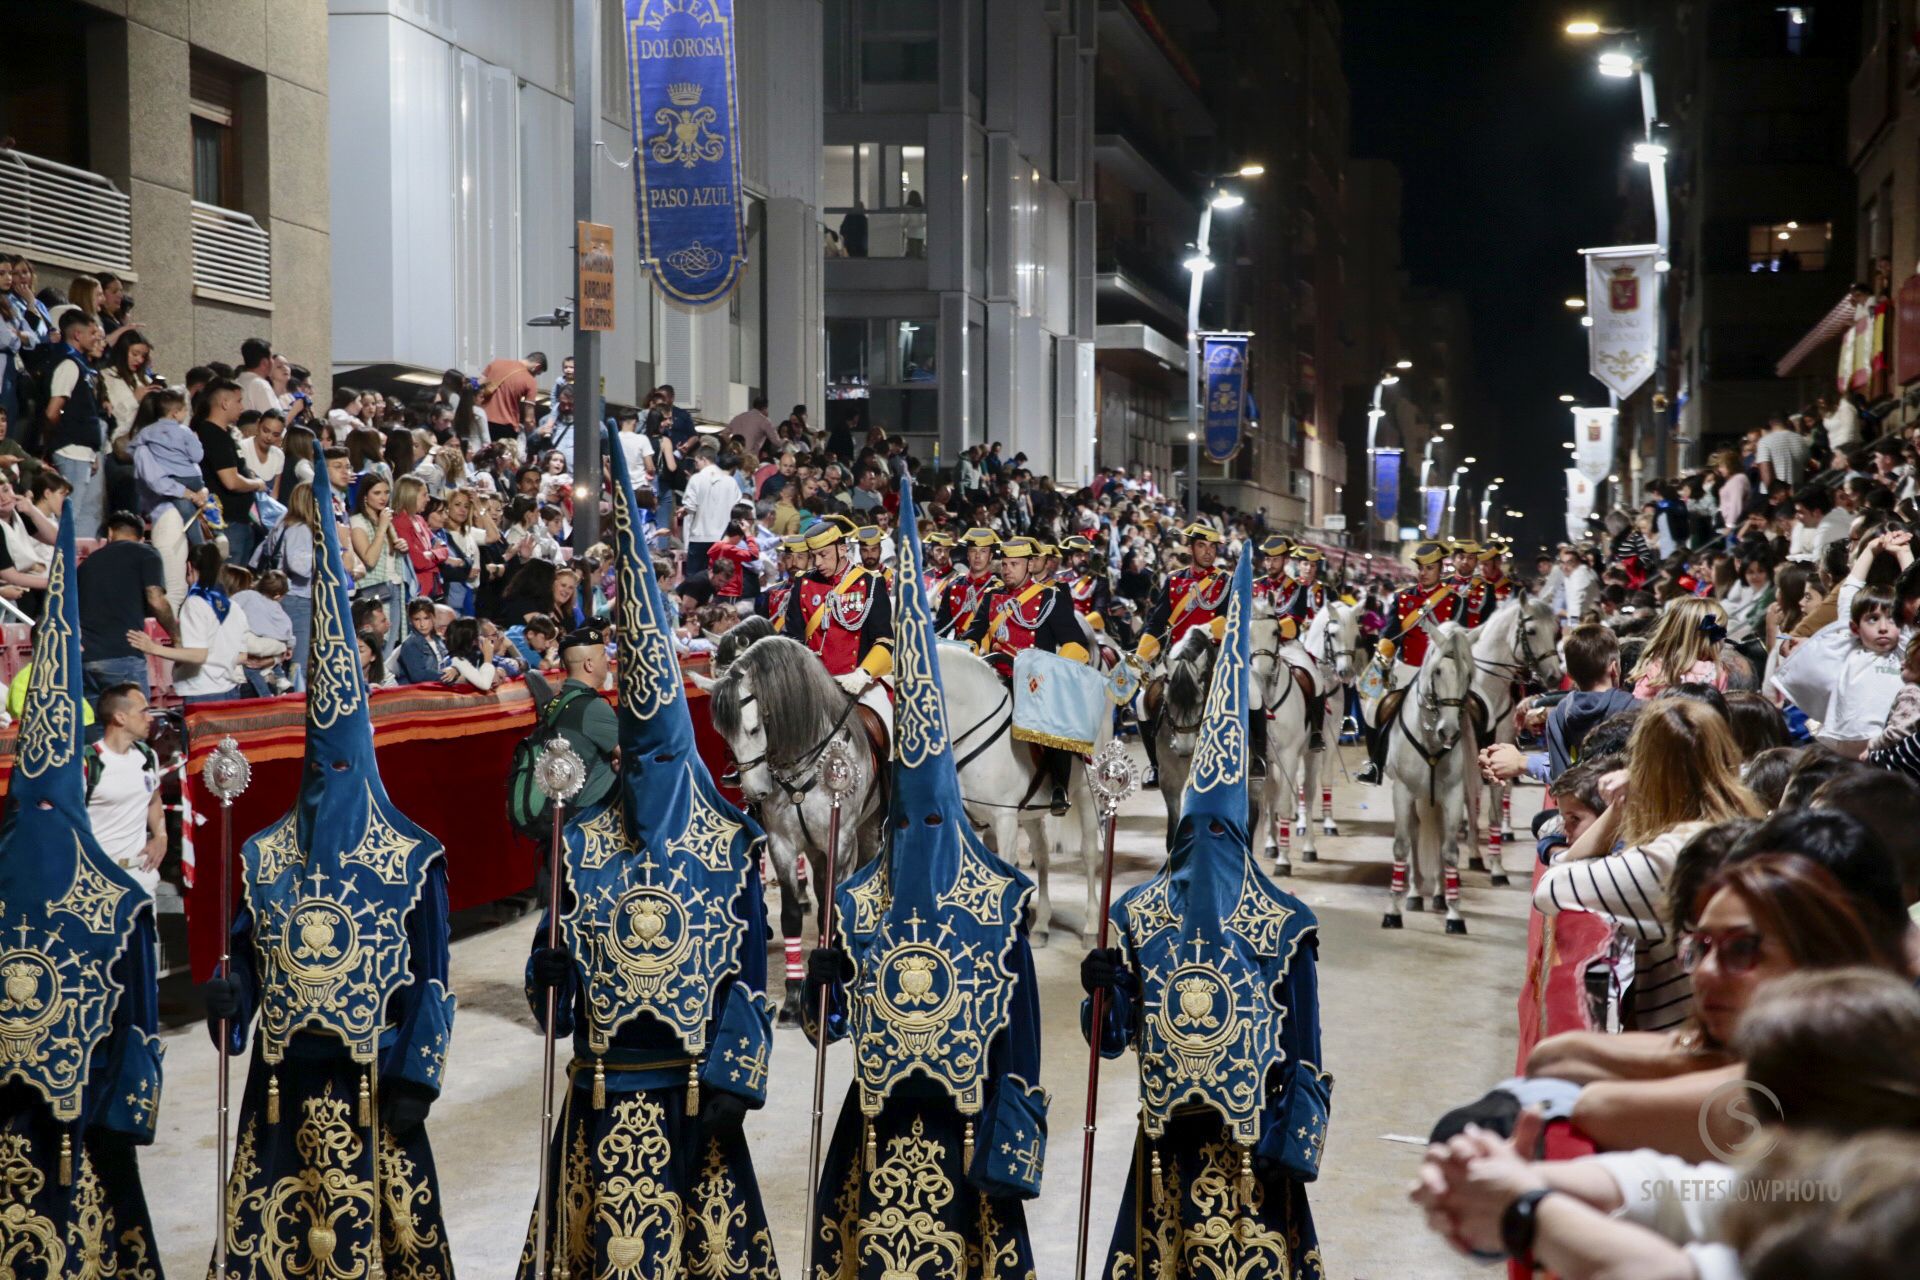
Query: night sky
[[1511, 151]]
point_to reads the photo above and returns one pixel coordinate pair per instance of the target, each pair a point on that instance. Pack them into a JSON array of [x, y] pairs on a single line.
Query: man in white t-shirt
[[1782, 455], [256, 376], [123, 787]]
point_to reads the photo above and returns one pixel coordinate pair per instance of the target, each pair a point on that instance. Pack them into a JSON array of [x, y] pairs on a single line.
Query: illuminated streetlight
[[1648, 152], [1576, 304], [1390, 381], [1566, 399], [1586, 322], [1618, 65], [1446, 426], [1199, 264], [1250, 171], [1581, 28], [1566, 444], [1226, 200], [1403, 364]]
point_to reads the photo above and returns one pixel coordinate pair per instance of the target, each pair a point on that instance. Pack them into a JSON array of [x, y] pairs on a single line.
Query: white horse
[[1427, 763], [1517, 644], [777, 708], [1323, 654]]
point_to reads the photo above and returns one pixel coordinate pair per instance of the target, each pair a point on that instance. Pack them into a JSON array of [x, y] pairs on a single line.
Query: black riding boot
[[1316, 718], [1375, 772], [1058, 764], [1147, 730], [1257, 744]]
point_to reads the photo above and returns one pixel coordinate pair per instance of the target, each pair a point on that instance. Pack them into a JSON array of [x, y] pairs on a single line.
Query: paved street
[[1412, 1021]]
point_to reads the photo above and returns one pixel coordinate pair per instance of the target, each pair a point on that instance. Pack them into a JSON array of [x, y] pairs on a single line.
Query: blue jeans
[[232, 695], [104, 673], [300, 610], [242, 537], [89, 494]]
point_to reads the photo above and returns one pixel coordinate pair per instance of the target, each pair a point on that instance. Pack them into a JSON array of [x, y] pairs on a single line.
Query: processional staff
[[560, 774], [838, 773], [226, 775]]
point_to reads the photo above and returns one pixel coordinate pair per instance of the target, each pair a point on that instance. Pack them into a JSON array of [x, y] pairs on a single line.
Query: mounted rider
[[1463, 556], [842, 611], [1431, 601], [1091, 592], [1295, 601], [966, 592], [1489, 588], [1028, 612], [795, 560], [939, 546], [1191, 597]]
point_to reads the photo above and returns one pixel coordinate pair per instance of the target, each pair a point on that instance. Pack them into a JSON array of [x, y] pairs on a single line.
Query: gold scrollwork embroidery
[[905, 1234], [382, 849], [641, 1215], [328, 962], [56, 1003], [92, 898], [297, 1225], [277, 849], [649, 675], [1220, 759], [48, 728], [709, 834], [333, 661], [29, 1242], [927, 1007], [603, 837], [979, 891], [919, 712]]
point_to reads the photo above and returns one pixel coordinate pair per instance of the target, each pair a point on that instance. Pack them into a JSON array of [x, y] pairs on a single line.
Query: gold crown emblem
[[684, 94]]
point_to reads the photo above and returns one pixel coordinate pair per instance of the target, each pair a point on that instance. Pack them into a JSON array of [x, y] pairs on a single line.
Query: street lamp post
[[1198, 265], [1374, 415], [1486, 506], [586, 342], [1453, 494]]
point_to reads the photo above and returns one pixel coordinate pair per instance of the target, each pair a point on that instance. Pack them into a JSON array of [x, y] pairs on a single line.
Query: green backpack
[[527, 810]]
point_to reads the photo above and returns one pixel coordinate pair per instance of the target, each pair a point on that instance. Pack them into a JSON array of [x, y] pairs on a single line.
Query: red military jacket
[[1192, 599], [1085, 589], [1035, 615], [1275, 589], [836, 613], [777, 605], [1441, 604], [965, 594], [1484, 596]]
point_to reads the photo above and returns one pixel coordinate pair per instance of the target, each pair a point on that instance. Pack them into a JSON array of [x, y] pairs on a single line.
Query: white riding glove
[[855, 682]]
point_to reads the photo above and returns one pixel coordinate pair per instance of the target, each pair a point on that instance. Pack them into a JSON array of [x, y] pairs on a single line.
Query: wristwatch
[[1518, 1224]]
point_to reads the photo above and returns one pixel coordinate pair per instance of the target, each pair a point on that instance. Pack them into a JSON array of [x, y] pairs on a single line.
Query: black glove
[[222, 997], [721, 1114], [826, 967], [552, 966], [1105, 970], [403, 1108]]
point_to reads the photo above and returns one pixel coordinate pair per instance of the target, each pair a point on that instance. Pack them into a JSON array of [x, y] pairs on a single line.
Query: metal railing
[[232, 257], [58, 214]]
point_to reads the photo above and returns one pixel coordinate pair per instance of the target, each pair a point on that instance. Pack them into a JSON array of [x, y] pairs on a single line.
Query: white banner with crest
[[1623, 300], [1580, 493], [1593, 442]]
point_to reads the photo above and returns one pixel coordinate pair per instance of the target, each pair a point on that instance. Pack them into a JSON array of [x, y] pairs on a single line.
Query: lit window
[[1778, 248]]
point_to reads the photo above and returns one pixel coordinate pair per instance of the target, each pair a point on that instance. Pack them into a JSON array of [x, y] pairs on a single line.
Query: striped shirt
[[1629, 888]]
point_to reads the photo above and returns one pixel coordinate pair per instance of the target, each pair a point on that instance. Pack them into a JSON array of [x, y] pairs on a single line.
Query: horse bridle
[[1431, 705], [807, 764]]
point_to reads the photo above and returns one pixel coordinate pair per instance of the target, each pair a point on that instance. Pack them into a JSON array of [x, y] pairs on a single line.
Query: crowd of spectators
[[1735, 795]]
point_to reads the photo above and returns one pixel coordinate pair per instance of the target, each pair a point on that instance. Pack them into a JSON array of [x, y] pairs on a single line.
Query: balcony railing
[[64, 216], [232, 257]]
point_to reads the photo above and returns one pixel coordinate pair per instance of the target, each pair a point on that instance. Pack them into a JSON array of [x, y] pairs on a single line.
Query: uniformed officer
[[795, 560], [871, 540], [1028, 612], [1274, 587], [1464, 558], [1432, 599], [842, 611], [1192, 597], [1305, 599], [1089, 590], [939, 547], [965, 592], [1489, 588]]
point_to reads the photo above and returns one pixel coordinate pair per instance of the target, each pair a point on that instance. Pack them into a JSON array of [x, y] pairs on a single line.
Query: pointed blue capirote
[[66, 910], [1216, 788], [657, 746]]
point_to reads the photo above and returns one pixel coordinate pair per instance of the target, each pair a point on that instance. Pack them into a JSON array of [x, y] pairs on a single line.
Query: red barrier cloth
[[1553, 998], [444, 757]]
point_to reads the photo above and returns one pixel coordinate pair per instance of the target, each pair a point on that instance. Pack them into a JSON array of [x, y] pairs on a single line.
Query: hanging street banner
[[686, 127], [1386, 486], [1580, 494], [1593, 442], [1433, 509], [1224, 359], [593, 243], [1623, 301]]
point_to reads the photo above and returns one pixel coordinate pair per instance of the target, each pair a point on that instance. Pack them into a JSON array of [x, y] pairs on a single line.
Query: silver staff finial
[[559, 772], [227, 772], [1113, 777]]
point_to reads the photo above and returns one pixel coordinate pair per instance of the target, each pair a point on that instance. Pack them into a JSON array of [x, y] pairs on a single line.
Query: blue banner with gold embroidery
[[686, 129], [1435, 510], [1225, 363], [1386, 485]]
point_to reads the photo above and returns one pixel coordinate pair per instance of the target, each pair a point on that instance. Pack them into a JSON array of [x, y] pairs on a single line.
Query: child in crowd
[[166, 465], [1870, 675], [268, 621], [1685, 649], [1904, 716], [422, 656], [469, 656]]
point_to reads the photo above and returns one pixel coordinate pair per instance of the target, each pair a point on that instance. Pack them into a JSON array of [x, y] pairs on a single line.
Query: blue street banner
[[686, 126], [1386, 486], [1225, 362], [1435, 509]]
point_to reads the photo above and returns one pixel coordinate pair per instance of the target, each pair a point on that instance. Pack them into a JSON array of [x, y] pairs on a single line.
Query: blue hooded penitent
[[1211, 935], [932, 923], [658, 872], [67, 912], [330, 885]]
